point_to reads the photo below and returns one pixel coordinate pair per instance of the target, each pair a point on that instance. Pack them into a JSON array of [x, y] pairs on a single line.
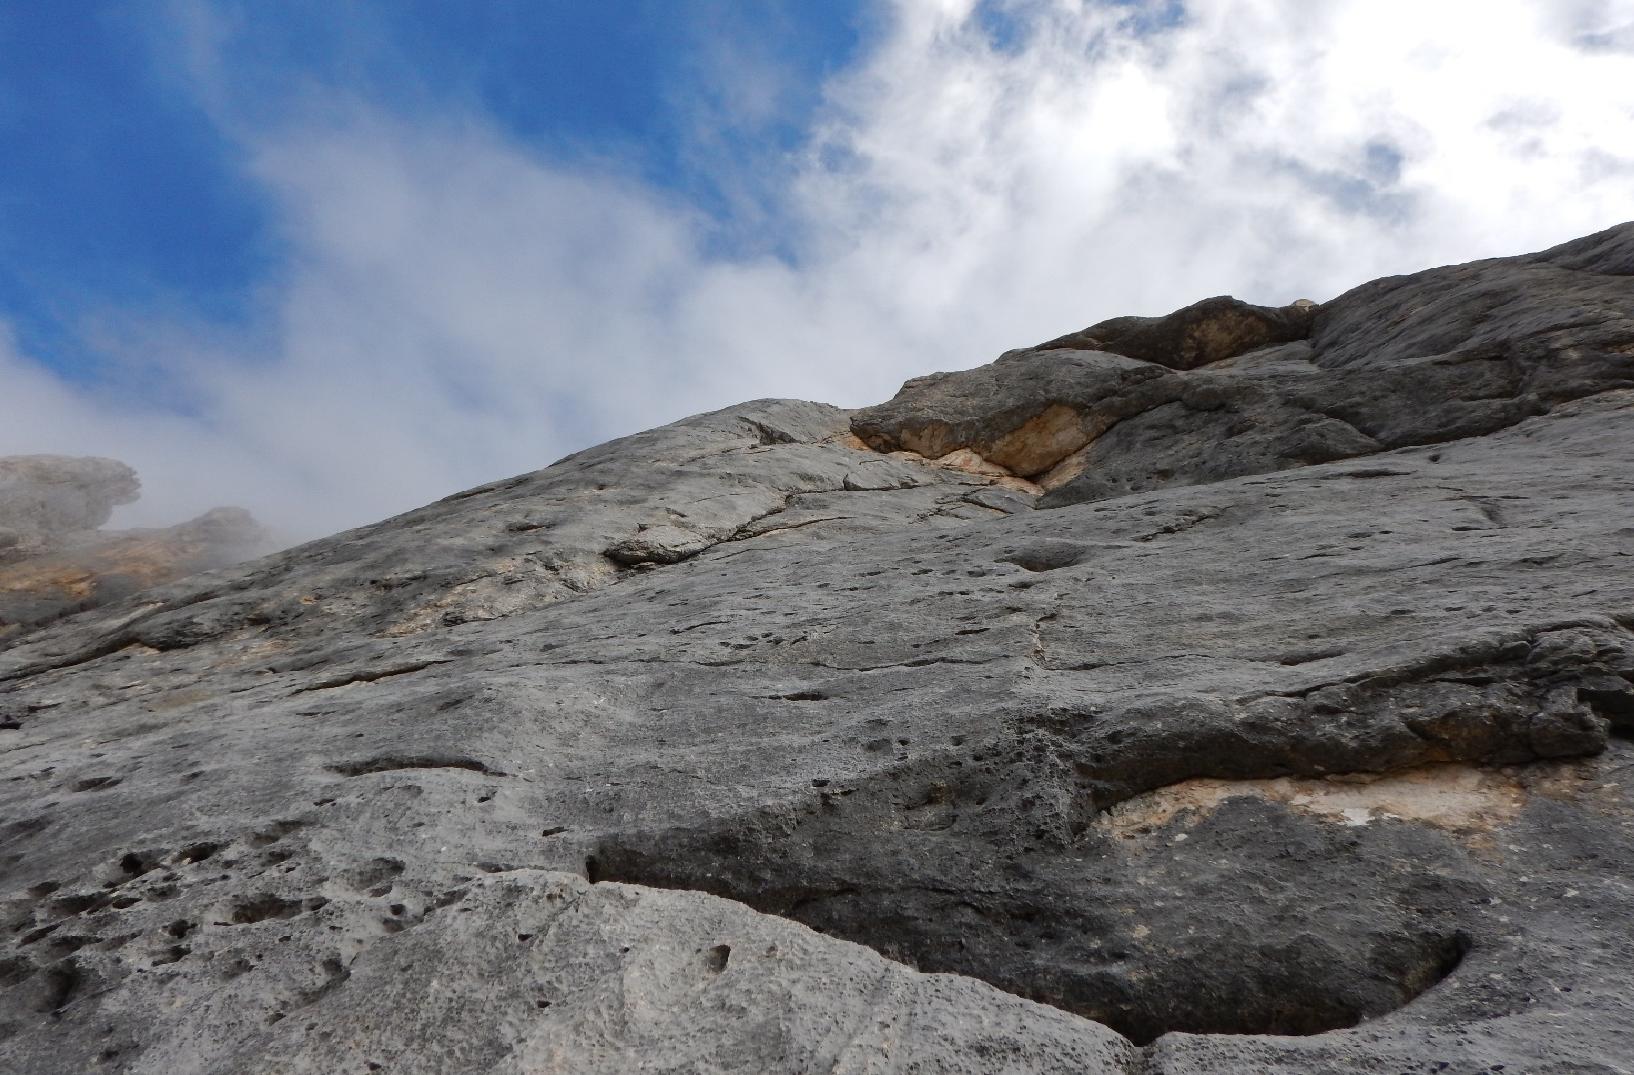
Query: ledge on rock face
[[1197, 335], [1025, 413], [1222, 389]]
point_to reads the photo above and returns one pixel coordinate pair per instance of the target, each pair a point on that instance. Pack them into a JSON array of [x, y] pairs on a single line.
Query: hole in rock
[[14, 970], [1228, 932], [262, 908], [1613, 702], [57, 987], [393, 762], [81, 903], [197, 852], [1045, 555], [374, 877], [174, 954], [135, 865], [34, 936], [60, 945], [717, 957]]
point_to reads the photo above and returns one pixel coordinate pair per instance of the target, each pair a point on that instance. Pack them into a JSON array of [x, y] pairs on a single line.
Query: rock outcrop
[[1200, 335], [1223, 389], [46, 500], [55, 561], [1287, 731]]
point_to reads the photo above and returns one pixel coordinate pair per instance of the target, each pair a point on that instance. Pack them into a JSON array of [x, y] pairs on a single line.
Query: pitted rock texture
[[738, 745]]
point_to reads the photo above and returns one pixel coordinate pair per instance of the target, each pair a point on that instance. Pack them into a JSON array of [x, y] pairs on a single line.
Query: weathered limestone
[[1289, 765]]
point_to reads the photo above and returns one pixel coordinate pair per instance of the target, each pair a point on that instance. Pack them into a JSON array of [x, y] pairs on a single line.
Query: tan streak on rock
[[1019, 485], [849, 440], [1066, 470], [1228, 333], [1040, 442], [1455, 797], [968, 462], [47, 577]]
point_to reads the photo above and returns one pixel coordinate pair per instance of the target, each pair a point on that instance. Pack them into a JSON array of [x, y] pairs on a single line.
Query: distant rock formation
[[46, 500], [1244, 691], [54, 559]]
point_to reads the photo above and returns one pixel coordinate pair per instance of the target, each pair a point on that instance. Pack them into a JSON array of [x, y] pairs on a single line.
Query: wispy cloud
[[456, 306]]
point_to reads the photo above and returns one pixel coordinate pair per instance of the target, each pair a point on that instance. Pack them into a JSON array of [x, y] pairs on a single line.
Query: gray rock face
[[741, 745]]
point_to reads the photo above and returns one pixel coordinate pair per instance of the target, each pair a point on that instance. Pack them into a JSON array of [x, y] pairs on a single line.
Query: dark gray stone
[[1437, 356], [1199, 335]]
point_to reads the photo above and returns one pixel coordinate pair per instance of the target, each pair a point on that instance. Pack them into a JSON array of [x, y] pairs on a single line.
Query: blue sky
[[330, 260], [122, 181]]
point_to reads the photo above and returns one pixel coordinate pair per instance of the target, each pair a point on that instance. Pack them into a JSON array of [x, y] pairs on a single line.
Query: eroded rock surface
[[1292, 765]]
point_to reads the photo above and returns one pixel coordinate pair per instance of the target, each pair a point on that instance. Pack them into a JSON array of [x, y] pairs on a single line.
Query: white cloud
[[456, 308]]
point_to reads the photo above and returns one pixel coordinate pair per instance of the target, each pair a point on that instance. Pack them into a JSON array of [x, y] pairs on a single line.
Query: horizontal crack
[[370, 675], [390, 763]]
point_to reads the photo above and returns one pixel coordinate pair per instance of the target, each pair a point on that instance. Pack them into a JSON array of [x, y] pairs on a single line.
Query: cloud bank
[[456, 306]]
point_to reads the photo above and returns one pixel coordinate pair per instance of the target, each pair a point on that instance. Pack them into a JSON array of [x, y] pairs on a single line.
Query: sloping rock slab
[[1325, 769]]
